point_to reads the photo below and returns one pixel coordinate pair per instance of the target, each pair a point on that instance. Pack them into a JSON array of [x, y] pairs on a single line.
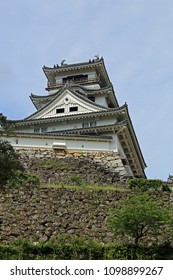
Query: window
[[92, 124], [60, 110], [85, 125], [36, 130], [76, 78], [73, 109], [88, 124], [44, 129]]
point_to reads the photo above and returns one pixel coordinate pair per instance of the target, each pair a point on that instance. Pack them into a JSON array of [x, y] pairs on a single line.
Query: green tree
[[6, 126], [9, 162], [145, 185], [139, 216]]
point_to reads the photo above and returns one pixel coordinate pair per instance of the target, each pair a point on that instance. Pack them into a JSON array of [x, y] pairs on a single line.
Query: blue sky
[[135, 37]]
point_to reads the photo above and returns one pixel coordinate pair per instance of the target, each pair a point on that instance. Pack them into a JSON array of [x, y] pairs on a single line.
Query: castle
[[80, 112]]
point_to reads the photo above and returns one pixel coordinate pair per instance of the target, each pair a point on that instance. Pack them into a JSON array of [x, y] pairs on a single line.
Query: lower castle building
[[80, 112]]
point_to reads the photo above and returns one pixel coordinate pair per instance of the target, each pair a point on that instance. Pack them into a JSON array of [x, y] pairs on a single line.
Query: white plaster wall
[[115, 144], [91, 75], [94, 86], [70, 144], [121, 152], [59, 80], [68, 124], [101, 100]]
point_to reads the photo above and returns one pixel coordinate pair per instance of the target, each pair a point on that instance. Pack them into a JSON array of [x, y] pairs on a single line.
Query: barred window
[[85, 125], [92, 124], [36, 130], [44, 129]]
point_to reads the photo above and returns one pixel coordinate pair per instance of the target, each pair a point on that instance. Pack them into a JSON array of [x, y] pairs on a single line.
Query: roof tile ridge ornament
[[95, 59], [63, 63]]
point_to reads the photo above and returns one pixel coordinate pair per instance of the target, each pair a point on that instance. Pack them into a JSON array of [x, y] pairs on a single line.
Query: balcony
[[76, 81]]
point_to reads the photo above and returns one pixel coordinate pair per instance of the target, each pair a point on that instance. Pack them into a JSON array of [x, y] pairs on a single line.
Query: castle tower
[[80, 111]]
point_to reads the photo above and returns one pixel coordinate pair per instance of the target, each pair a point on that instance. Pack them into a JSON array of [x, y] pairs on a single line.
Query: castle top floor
[[91, 74]]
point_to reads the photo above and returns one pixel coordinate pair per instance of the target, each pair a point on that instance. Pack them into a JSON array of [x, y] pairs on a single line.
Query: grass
[[86, 187], [53, 164]]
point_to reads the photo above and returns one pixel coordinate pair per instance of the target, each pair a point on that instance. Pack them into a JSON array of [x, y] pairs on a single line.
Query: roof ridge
[[58, 94], [62, 66]]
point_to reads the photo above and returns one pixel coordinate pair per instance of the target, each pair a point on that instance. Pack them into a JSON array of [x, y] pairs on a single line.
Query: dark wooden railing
[[76, 81]]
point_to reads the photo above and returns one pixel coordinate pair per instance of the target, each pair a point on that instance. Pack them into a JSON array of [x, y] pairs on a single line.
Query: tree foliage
[[78, 248], [6, 126], [144, 185], [139, 216], [9, 162], [24, 179]]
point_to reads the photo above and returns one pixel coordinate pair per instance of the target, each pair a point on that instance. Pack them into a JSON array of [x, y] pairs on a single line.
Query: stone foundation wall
[[38, 214], [105, 162]]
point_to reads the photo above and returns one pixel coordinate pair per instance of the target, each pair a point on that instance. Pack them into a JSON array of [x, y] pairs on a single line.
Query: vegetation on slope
[[138, 216]]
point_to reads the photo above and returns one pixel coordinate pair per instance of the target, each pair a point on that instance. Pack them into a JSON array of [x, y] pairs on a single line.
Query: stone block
[[110, 158], [68, 155], [77, 155], [71, 152]]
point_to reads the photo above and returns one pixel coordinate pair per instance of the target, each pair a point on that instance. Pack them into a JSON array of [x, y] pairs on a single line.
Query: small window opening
[[85, 125], [76, 78], [92, 124], [36, 130], [73, 109], [60, 110], [44, 129]]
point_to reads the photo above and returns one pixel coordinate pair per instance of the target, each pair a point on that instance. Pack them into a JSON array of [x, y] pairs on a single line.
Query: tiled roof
[[38, 99], [59, 134], [74, 65], [111, 111], [58, 94]]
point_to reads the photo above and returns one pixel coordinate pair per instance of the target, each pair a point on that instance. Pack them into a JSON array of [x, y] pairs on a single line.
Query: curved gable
[[66, 103]]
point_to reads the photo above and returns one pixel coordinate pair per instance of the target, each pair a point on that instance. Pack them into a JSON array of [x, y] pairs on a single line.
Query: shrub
[[80, 249], [77, 180], [23, 179], [9, 162], [144, 185], [140, 216]]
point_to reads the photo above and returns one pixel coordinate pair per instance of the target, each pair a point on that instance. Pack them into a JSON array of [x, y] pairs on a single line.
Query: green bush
[[9, 252], [76, 180], [128, 252], [9, 162], [79, 249], [62, 249], [23, 179], [144, 185]]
